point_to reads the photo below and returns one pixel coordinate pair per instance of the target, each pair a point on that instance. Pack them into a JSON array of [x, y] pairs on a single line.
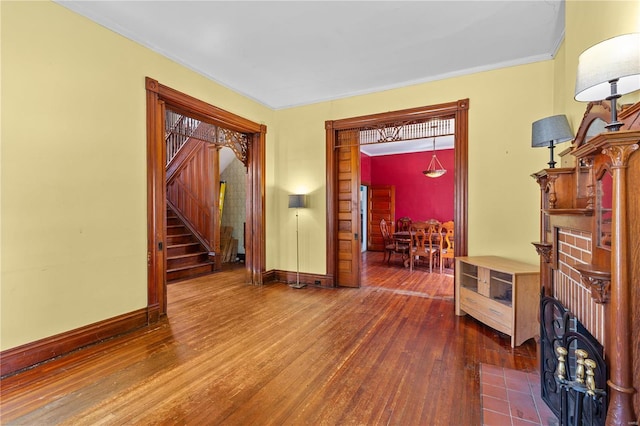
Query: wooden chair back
[[426, 241], [391, 245], [385, 231], [447, 251], [403, 224], [419, 225]]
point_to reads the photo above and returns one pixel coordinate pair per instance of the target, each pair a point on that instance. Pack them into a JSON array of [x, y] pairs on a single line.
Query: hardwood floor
[[391, 352]]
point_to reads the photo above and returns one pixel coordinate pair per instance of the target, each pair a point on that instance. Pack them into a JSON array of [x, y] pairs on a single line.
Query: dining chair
[[391, 245], [447, 251], [426, 242], [403, 224]]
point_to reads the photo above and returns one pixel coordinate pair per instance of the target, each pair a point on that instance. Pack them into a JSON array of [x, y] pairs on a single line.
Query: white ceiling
[[292, 53]]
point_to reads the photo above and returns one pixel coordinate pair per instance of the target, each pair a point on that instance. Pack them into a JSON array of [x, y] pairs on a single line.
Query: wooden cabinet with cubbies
[[502, 293]]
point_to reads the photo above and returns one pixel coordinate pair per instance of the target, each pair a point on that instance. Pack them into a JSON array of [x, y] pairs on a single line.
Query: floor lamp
[[297, 201]]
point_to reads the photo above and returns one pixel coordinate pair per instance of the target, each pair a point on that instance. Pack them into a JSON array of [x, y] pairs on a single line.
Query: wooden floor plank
[[391, 352]]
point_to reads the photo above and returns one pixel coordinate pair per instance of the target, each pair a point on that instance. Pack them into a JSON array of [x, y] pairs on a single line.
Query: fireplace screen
[[572, 372]]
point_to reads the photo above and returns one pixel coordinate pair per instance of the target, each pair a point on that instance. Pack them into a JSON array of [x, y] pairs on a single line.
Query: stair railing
[[179, 129]]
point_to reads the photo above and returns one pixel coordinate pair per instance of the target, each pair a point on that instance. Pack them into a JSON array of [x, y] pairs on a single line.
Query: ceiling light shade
[[550, 130], [297, 201], [609, 70], [435, 168]]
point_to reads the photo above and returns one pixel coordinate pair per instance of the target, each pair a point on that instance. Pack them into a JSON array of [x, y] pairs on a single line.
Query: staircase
[[186, 257]]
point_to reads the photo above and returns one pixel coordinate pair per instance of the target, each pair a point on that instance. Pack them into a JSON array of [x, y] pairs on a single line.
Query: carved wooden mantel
[[574, 198]]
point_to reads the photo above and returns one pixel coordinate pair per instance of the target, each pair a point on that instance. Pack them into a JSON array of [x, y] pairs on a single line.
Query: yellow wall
[[503, 198], [588, 23], [73, 157], [74, 168]]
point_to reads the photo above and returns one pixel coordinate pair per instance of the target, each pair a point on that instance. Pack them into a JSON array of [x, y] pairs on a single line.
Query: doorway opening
[[160, 97], [343, 178], [402, 195]]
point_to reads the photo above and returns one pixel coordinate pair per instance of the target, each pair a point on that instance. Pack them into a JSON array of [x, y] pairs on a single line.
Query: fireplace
[[590, 273], [573, 372]]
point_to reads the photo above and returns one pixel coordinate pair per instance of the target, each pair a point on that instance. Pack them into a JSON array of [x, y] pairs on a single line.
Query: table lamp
[[609, 70], [550, 130]]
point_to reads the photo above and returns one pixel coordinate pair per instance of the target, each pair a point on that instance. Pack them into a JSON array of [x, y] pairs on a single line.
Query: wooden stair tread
[[196, 265], [185, 255], [183, 244]]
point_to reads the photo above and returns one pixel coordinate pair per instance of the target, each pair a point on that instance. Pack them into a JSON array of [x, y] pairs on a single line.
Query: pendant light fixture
[[435, 168]]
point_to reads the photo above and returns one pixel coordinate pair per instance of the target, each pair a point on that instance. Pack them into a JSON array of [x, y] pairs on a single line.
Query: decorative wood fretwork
[[406, 130], [598, 280], [179, 128], [398, 131], [545, 250]]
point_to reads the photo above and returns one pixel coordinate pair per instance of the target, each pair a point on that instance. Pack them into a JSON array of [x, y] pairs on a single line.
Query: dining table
[[404, 237]]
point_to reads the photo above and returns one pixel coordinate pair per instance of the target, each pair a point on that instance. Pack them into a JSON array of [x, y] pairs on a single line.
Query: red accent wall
[[417, 196], [365, 169]]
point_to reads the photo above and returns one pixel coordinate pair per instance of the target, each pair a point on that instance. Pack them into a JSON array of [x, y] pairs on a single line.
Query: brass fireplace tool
[[584, 374]]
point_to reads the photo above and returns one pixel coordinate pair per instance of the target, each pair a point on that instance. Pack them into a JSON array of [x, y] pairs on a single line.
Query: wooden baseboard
[[269, 277], [305, 278], [30, 354]]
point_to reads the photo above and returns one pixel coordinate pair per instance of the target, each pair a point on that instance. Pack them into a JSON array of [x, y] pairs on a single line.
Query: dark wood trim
[[458, 110], [200, 110], [156, 206], [332, 174], [33, 353], [269, 277], [255, 203], [461, 188], [212, 199], [598, 109], [318, 280], [411, 114], [281, 276], [157, 96]]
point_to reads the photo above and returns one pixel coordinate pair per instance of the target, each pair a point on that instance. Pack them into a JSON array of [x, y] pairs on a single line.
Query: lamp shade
[[297, 201], [554, 129], [615, 58]]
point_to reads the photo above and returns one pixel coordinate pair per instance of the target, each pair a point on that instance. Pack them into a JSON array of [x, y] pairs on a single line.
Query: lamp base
[[297, 285], [551, 163]]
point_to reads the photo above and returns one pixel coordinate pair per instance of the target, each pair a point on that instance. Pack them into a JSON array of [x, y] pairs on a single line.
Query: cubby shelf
[[500, 292]]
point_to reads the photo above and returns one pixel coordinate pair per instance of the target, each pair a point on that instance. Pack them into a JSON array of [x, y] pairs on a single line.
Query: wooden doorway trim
[[459, 111], [159, 96]]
